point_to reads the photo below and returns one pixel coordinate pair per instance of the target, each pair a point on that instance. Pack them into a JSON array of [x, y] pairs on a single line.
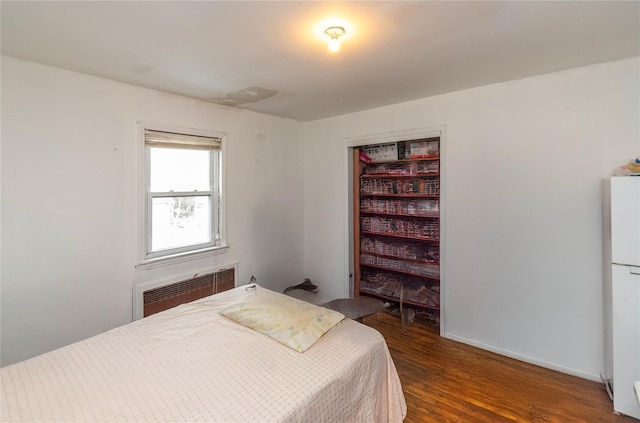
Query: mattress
[[190, 363]]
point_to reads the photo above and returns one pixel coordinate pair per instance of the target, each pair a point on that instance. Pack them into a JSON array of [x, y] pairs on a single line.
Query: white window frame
[[218, 244]]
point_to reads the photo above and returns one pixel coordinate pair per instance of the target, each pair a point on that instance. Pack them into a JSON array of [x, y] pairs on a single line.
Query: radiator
[[184, 291]]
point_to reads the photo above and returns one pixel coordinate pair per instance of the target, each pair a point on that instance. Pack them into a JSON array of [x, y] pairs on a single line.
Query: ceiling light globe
[[334, 44]]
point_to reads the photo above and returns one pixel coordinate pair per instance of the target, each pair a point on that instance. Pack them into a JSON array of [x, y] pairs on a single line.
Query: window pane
[[179, 170], [180, 221]]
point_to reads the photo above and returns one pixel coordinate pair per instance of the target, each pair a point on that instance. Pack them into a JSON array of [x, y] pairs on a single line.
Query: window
[[183, 193]]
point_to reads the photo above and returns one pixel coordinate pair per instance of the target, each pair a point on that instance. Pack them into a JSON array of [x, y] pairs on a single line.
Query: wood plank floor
[[447, 381]]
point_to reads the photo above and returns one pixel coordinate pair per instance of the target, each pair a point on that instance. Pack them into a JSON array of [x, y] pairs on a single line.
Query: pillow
[[292, 322]]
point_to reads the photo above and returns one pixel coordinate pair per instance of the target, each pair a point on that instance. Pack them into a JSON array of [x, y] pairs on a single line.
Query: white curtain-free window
[[183, 193]]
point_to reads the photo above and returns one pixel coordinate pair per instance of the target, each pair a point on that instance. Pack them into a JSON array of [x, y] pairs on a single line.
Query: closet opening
[[396, 223]]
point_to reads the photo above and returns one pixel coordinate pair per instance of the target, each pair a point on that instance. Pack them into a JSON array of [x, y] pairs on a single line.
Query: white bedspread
[[192, 364]]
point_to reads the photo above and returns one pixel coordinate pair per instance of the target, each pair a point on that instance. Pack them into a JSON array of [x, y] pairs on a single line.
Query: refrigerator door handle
[[634, 270]]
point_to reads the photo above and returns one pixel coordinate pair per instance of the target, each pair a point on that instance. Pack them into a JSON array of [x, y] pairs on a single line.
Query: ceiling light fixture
[[334, 33]]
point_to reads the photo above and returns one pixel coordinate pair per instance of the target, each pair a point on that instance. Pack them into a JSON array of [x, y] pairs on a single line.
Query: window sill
[[182, 257]]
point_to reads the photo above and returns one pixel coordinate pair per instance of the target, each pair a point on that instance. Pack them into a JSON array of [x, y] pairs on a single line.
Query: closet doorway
[[396, 222]]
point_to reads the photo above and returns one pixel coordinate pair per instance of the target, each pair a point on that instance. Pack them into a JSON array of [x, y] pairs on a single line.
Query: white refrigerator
[[622, 292]]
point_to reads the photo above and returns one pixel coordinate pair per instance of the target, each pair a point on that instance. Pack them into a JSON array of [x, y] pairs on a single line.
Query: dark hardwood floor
[[447, 381]]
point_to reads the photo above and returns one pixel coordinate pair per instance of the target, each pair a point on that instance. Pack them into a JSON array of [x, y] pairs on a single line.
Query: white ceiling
[[270, 56]]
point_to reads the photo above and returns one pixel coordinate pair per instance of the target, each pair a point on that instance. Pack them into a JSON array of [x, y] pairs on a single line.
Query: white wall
[[523, 235], [69, 201], [523, 232]]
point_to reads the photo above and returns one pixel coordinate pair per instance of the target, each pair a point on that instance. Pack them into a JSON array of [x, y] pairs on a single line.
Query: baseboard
[[526, 359]]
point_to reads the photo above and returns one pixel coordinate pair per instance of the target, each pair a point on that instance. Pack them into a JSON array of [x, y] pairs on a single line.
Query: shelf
[[417, 159], [404, 272], [434, 216], [403, 169], [415, 195], [415, 238], [413, 187], [402, 207], [395, 175], [397, 300], [371, 253]]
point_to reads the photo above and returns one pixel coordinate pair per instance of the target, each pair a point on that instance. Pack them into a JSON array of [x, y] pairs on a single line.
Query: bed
[[191, 363]]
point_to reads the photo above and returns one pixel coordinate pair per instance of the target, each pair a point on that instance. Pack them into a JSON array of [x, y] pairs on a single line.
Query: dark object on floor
[[307, 285], [356, 308]]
